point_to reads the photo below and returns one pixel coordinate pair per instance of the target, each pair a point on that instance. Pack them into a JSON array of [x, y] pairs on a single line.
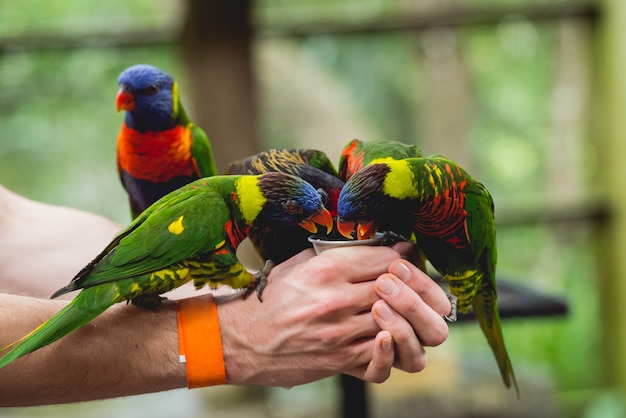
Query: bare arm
[[125, 351], [43, 246]]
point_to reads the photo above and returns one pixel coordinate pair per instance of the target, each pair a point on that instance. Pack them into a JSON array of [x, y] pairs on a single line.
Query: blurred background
[[527, 95]]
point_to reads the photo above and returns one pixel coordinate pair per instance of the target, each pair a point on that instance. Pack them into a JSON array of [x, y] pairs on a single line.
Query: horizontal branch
[[457, 17]]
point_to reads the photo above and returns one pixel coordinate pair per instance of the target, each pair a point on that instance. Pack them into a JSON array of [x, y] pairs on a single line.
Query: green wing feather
[[480, 223], [320, 160], [152, 246], [482, 231], [202, 152]]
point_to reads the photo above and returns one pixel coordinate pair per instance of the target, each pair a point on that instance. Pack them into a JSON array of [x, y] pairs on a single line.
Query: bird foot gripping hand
[[451, 317], [260, 280], [148, 301]]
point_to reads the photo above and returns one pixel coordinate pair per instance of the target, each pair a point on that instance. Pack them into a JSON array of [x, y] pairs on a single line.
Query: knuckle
[[417, 364], [379, 377], [437, 334], [326, 267]]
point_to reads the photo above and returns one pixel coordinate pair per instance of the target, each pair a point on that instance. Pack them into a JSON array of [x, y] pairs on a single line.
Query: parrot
[[314, 167], [158, 148], [282, 159], [358, 154], [190, 234], [452, 218]]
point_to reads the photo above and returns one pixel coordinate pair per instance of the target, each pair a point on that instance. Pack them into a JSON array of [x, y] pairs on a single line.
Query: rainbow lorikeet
[[158, 148], [283, 159], [452, 218], [188, 235], [358, 154], [312, 166]]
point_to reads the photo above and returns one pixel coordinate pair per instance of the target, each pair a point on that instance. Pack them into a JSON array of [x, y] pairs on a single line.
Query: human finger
[[426, 323], [430, 292], [383, 357], [375, 358], [409, 351], [357, 263]]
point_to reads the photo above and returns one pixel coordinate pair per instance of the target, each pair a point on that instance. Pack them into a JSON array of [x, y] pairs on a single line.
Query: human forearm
[[125, 351], [43, 246]]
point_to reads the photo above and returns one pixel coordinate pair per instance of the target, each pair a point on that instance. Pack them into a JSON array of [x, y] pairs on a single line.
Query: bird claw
[[260, 281], [451, 317], [391, 238], [147, 301]]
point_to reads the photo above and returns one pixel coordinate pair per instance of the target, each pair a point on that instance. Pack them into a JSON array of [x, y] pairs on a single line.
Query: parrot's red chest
[[155, 156]]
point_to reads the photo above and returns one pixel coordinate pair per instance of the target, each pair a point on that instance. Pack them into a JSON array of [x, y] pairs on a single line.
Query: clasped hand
[[358, 311]]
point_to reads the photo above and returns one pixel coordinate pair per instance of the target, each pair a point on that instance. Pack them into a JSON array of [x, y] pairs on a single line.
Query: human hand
[[315, 321], [411, 308]]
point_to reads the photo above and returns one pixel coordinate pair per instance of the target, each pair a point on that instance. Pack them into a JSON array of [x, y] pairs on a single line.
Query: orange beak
[[345, 228], [125, 100], [323, 218], [365, 231]]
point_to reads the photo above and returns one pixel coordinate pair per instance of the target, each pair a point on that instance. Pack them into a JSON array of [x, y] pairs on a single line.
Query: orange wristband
[[200, 341]]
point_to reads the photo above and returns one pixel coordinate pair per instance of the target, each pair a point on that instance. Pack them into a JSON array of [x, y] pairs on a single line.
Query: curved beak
[[345, 228], [323, 218], [365, 230], [125, 100]]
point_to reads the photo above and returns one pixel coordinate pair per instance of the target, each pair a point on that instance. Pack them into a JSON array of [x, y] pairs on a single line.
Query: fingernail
[[384, 312], [386, 345], [401, 270], [387, 286]]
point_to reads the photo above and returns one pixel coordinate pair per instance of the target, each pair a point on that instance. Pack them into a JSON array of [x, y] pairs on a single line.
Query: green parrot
[[280, 244], [451, 215], [358, 154], [190, 234]]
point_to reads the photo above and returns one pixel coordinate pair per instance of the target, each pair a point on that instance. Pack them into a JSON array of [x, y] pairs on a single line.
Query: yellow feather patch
[[399, 181], [381, 160], [176, 227], [434, 171], [175, 98], [135, 288], [251, 199]]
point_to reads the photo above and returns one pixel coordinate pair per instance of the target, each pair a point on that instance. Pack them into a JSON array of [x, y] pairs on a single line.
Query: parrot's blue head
[[362, 202], [146, 94], [289, 200]]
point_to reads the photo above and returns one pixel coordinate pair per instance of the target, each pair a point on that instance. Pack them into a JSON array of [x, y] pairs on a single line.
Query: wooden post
[[216, 49], [610, 133]]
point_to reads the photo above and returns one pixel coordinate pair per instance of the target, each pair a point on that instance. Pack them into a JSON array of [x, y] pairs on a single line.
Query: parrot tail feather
[[486, 311], [64, 322]]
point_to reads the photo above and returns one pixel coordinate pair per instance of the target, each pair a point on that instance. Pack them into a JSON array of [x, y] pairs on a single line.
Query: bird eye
[[292, 207], [361, 211], [150, 90]]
